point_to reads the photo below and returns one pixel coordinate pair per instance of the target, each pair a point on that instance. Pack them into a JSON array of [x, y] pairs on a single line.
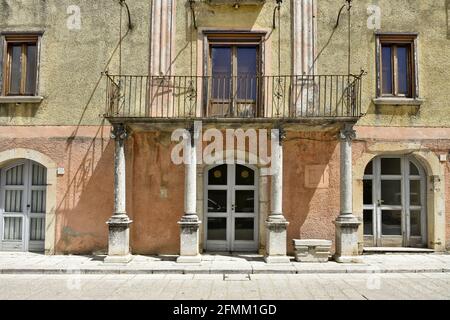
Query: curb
[[212, 271]]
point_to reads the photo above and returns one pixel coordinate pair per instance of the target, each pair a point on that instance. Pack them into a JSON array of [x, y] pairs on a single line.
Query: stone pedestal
[[119, 235], [276, 242], [189, 241], [347, 240], [312, 250]]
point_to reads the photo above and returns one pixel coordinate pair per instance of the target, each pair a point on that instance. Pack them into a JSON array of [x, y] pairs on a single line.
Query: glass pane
[[386, 57], [31, 69], [244, 176], [391, 166], [402, 60], [218, 176], [217, 228], [37, 229], [217, 201], [369, 169], [244, 229], [367, 192], [38, 201], [16, 69], [221, 72], [245, 201], [13, 200], [414, 193], [12, 229], [368, 222], [14, 176], [247, 70], [413, 170], [391, 223], [416, 223], [391, 192]]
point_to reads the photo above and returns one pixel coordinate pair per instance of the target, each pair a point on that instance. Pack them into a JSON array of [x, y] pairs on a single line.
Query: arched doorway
[[231, 208], [23, 194], [394, 203]]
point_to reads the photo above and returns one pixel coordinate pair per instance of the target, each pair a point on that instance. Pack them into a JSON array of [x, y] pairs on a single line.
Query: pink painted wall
[[156, 186]]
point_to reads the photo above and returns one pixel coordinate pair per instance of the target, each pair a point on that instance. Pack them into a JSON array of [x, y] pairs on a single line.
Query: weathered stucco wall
[[84, 195], [429, 18], [72, 60]]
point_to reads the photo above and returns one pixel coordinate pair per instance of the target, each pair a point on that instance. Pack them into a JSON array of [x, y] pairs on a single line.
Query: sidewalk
[[29, 263]]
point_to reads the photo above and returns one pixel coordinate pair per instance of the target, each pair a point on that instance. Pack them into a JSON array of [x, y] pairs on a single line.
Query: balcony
[[226, 98]]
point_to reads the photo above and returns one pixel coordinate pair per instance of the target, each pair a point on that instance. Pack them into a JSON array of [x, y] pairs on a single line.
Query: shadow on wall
[[87, 196], [157, 195], [311, 192]]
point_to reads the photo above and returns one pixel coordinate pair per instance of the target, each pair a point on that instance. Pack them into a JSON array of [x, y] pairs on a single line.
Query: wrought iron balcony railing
[[267, 97]]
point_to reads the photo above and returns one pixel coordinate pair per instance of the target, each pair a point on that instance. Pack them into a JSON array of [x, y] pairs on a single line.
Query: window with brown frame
[[234, 70], [20, 65], [397, 66]]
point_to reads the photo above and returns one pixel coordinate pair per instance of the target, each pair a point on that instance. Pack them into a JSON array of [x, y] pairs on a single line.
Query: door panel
[[394, 203], [23, 207], [231, 209]]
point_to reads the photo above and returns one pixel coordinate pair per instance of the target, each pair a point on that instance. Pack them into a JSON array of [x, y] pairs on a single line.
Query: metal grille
[[37, 229], [39, 175], [12, 229], [14, 176], [38, 201], [13, 200], [294, 97]]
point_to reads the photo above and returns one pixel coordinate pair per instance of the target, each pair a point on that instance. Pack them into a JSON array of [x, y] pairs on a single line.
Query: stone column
[[346, 224], [119, 231], [190, 223], [276, 223]]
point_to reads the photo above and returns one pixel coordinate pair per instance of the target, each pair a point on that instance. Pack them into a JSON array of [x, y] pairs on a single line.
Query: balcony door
[[234, 69], [394, 203], [23, 191], [231, 206]]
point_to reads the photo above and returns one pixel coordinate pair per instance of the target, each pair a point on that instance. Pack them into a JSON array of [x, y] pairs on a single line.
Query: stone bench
[[309, 250]]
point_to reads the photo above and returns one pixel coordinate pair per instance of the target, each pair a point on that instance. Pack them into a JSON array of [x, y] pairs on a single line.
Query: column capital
[[347, 133], [119, 132], [279, 134]]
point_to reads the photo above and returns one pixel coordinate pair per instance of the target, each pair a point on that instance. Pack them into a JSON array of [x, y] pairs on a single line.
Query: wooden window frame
[[396, 40], [6, 39], [234, 39]]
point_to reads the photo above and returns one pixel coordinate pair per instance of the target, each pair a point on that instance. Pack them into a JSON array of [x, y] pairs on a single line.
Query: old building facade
[[350, 99]]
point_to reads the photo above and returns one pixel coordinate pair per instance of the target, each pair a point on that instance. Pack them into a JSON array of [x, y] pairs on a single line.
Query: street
[[224, 287]]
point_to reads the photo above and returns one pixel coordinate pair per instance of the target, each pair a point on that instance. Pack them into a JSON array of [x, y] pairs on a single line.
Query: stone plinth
[[189, 242], [118, 242], [276, 242], [347, 240], [312, 250]]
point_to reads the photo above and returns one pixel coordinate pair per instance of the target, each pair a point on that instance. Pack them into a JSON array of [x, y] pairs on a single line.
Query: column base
[[347, 239], [276, 238], [189, 259], [189, 240], [119, 239], [277, 259], [118, 259]]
